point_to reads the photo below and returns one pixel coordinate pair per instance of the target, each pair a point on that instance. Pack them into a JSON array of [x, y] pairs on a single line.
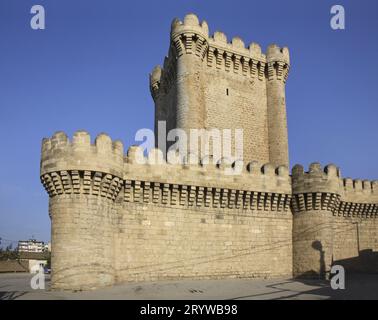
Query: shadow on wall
[[317, 245], [365, 262], [314, 274]]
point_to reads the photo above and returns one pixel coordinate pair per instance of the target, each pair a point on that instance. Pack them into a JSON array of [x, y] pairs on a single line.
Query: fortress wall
[[172, 242], [355, 226], [197, 222], [112, 216], [130, 218], [355, 243]]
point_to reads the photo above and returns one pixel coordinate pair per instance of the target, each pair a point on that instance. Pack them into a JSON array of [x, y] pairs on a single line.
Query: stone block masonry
[[114, 219]]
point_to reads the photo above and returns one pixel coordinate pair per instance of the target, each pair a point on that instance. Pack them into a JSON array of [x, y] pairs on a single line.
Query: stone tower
[[207, 82], [115, 218]]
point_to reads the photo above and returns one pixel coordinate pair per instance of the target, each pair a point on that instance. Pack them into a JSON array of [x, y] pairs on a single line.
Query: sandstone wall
[[197, 222], [172, 242]]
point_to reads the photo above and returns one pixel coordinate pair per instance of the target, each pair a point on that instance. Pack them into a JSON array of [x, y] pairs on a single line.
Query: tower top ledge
[[192, 25]]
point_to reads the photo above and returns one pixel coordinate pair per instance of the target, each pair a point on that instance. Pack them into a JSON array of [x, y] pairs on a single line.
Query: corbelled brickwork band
[[118, 217], [86, 182]]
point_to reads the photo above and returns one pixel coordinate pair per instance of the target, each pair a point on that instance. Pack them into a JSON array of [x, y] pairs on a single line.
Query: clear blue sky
[[89, 70]]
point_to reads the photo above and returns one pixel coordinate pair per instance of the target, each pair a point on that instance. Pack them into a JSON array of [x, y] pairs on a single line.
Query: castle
[[115, 219]]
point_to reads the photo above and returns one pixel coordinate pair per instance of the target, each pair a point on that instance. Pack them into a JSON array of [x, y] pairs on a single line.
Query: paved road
[[17, 286]]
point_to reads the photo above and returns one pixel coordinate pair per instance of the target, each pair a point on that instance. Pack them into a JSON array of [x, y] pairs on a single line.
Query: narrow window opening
[[227, 91]]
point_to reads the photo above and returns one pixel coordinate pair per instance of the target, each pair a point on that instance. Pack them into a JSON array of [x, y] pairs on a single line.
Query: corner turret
[[83, 181], [278, 64]]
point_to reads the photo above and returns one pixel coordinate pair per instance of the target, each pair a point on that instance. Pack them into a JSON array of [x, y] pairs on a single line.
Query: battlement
[[192, 29], [203, 172], [192, 37], [320, 188], [278, 62], [104, 155], [276, 54], [202, 183], [360, 190], [316, 179], [101, 168], [191, 24], [329, 179]]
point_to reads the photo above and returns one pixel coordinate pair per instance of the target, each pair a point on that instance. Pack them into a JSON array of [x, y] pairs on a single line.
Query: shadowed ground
[[17, 286]]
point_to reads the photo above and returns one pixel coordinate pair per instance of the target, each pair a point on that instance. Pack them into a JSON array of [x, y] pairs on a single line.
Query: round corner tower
[[83, 181], [316, 196], [278, 64]]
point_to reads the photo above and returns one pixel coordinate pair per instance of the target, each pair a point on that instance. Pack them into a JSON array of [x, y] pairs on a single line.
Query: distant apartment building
[[31, 245]]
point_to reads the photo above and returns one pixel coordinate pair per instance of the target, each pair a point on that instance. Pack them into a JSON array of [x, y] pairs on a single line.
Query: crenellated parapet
[[235, 57], [316, 189], [359, 198], [360, 190], [325, 189], [316, 179], [155, 79], [77, 166], [278, 63], [190, 36], [101, 168], [204, 184]]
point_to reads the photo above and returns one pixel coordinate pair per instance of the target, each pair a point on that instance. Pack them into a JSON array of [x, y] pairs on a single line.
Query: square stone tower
[[207, 82]]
